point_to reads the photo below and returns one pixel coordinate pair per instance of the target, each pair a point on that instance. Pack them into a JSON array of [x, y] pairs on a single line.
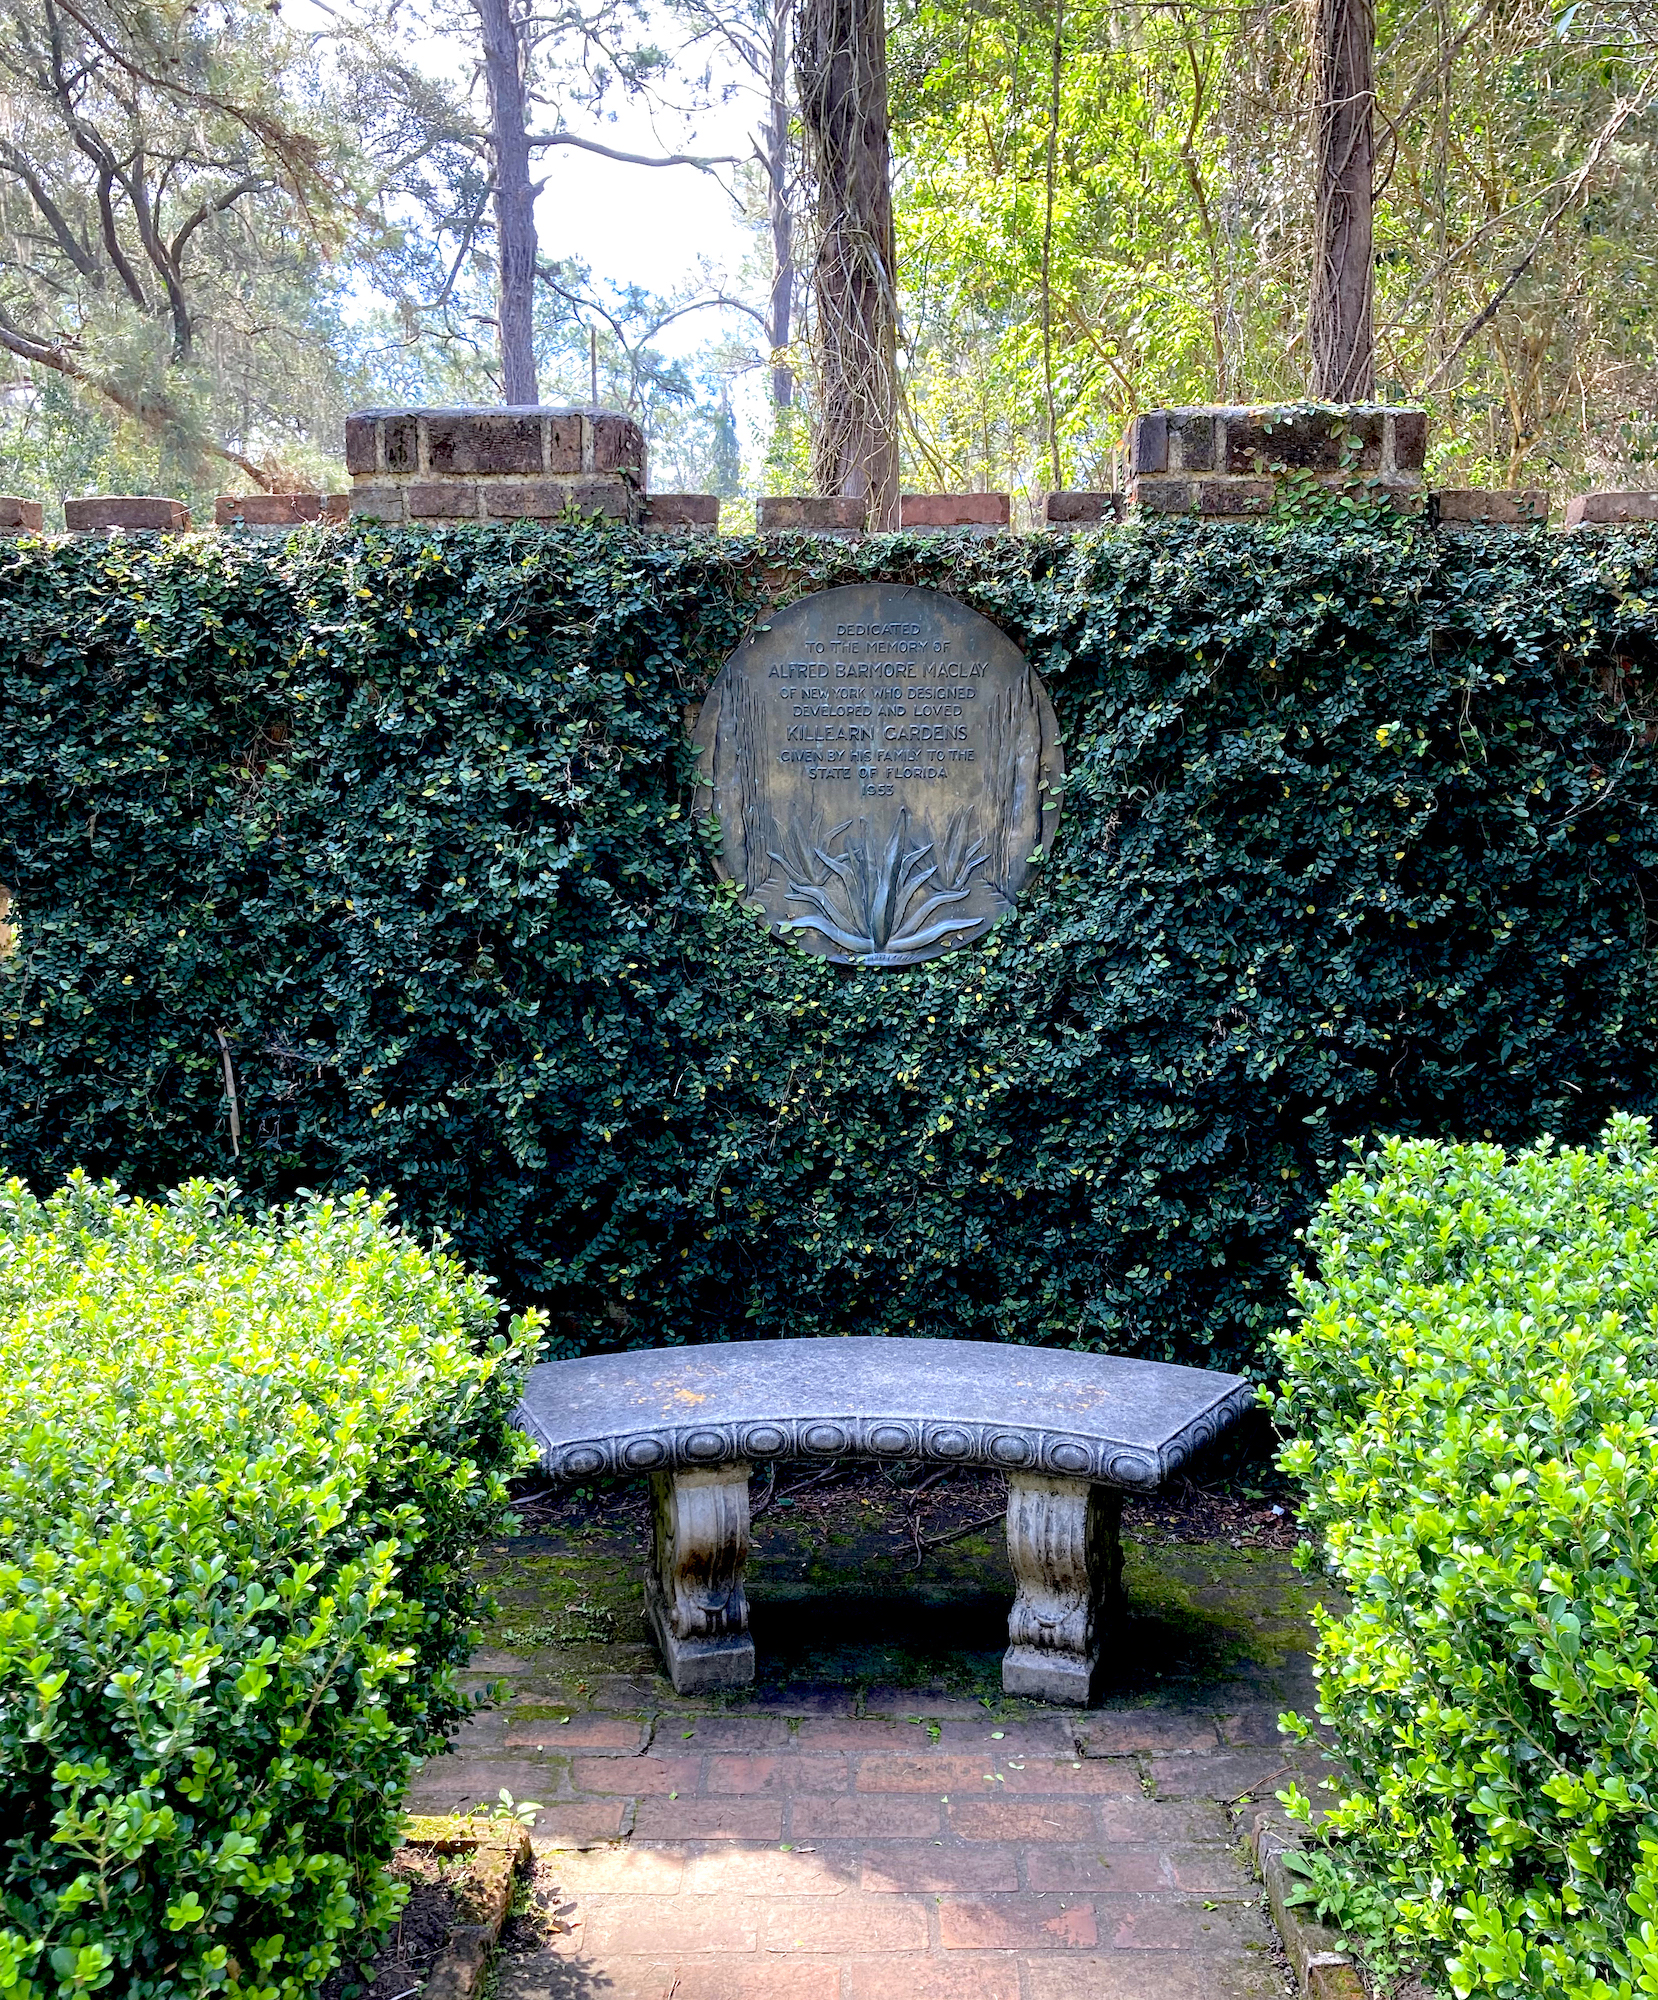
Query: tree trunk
[[842, 65], [514, 198], [1341, 327], [775, 133]]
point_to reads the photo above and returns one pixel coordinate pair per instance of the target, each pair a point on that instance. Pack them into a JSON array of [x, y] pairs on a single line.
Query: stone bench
[[1073, 1432]]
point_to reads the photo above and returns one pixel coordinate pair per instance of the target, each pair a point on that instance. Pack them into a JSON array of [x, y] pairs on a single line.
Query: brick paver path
[[818, 1843]]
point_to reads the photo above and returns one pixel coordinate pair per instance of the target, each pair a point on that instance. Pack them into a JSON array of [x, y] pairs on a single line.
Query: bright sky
[[640, 225], [648, 225]]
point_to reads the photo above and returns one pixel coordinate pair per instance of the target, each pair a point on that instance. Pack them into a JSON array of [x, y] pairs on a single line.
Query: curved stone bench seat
[[1071, 1431]]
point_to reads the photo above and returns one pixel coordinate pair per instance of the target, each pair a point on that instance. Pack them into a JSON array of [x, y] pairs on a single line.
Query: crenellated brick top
[[1226, 461], [511, 464], [1218, 462], [505, 443]]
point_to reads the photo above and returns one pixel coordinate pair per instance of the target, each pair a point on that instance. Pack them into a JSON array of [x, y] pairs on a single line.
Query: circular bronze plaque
[[884, 768]]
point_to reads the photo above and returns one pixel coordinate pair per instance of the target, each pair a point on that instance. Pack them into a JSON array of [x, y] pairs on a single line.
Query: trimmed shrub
[[1473, 1385], [245, 1466], [1360, 834]]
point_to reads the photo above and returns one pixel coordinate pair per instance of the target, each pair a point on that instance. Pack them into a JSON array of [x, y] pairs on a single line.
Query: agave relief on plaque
[[885, 770]]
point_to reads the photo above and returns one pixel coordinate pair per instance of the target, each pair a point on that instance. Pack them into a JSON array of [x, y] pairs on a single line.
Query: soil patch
[[420, 1933]]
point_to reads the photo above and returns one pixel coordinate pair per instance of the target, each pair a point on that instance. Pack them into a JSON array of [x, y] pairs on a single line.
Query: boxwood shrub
[[244, 1467], [1472, 1382]]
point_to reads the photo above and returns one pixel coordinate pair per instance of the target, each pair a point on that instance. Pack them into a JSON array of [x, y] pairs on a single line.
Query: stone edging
[[1322, 1969], [497, 1853]]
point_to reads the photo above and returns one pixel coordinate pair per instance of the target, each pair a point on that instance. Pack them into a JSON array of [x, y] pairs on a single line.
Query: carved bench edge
[[939, 1441]]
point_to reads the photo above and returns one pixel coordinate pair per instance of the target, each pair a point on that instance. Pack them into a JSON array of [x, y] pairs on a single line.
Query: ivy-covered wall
[[1360, 837]]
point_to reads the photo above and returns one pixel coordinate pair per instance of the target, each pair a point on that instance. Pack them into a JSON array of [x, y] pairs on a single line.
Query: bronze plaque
[[884, 768]]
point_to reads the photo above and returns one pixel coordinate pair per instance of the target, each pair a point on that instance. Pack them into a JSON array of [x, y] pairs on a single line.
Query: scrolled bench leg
[[1062, 1540], [694, 1586]]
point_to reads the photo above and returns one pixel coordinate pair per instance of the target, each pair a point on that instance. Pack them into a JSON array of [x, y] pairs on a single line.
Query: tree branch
[[249, 184], [67, 241], [1621, 114], [154, 416], [703, 162]]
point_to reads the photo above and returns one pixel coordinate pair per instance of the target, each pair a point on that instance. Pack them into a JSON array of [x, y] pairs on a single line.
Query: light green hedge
[[244, 1469], [1473, 1387]]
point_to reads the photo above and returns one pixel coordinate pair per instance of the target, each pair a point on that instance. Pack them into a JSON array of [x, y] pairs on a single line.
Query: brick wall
[[494, 465], [1218, 462]]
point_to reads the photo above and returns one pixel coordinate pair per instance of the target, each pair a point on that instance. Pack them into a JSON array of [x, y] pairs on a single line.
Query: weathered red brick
[[276, 510], [1098, 1867], [1083, 509], [1164, 1822], [1013, 1736], [932, 1772], [1191, 440], [723, 1732], [1148, 445], [826, 1817], [575, 1732], [135, 512], [635, 1925], [1611, 510], [1016, 1923], [1157, 1923], [661, 511], [486, 441], [719, 1977], [709, 1819], [620, 1870], [400, 441], [784, 1773], [21, 517], [1149, 1975], [843, 1732], [1410, 440], [637, 1777], [771, 1871], [1022, 1819], [618, 444], [574, 1825], [807, 514], [1314, 439], [953, 510], [850, 1923], [958, 1977], [1228, 1777], [443, 500], [361, 442], [1231, 497], [548, 499], [564, 441], [378, 503], [1119, 1733], [1474, 507], [915, 1867], [1161, 496]]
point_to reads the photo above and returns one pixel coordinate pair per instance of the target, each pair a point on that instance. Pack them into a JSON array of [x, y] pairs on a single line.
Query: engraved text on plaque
[[884, 767]]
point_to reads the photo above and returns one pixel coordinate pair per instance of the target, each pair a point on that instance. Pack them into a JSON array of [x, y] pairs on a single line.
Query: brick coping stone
[[278, 510], [1479, 507], [135, 513], [954, 510], [1611, 510], [810, 514]]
